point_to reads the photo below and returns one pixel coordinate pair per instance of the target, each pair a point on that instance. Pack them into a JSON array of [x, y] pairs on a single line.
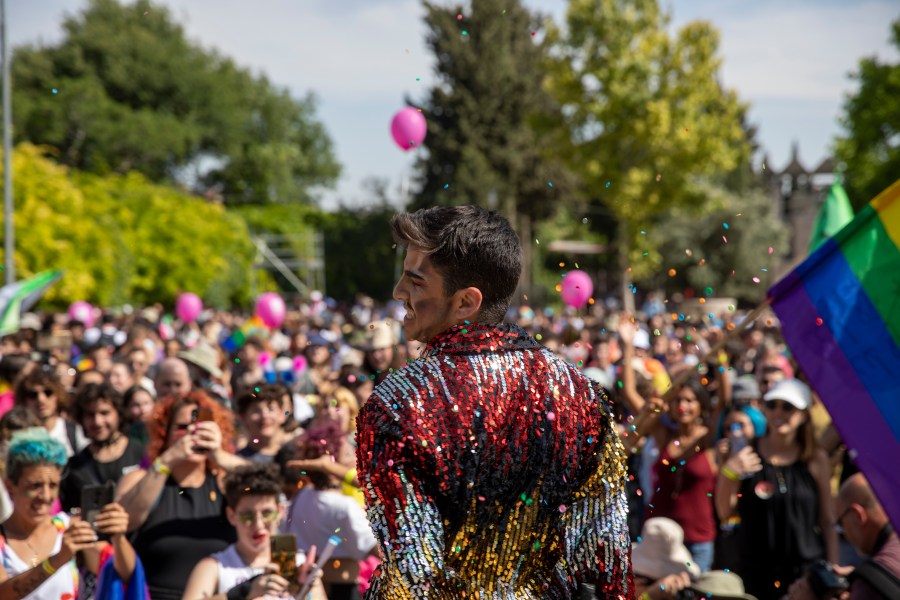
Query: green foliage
[[647, 118], [489, 115], [126, 90], [870, 147], [122, 239], [360, 254], [692, 244]]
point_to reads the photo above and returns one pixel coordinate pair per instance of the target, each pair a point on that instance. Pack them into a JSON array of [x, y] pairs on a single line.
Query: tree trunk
[[526, 234], [624, 247]]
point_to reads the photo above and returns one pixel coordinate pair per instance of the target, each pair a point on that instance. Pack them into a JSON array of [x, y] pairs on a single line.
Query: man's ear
[[467, 304], [229, 514]]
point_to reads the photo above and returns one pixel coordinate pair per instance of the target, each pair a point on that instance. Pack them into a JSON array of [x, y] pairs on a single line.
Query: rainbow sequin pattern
[[492, 469]]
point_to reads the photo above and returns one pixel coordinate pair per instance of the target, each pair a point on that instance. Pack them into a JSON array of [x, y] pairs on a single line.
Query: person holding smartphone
[[37, 550], [245, 569], [176, 509]]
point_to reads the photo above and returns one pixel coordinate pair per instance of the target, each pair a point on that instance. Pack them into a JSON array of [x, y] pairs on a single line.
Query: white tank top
[[61, 584], [233, 571]]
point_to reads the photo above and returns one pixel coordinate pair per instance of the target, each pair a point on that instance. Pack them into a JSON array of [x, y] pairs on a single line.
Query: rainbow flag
[[840, 315]]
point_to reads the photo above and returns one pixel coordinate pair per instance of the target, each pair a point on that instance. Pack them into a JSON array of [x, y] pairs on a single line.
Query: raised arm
[[728, 482], [634, 401], [139, 490]]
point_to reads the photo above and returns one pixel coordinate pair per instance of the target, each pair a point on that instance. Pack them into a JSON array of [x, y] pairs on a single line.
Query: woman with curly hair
[[176, 507], [37, 550], [42, 392]]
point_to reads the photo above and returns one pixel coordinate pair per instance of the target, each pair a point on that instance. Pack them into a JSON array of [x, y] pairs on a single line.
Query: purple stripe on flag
[[854, 413]]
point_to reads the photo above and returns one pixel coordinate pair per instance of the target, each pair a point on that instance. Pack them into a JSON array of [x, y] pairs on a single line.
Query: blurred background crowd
[[733, 470]]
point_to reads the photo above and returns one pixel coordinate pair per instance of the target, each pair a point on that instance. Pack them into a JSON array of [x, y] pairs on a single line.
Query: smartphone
[[93, 499], [284, 554], [201, 414]]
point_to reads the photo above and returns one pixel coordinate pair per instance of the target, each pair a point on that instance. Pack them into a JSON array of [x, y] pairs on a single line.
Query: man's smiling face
[[421, 289]]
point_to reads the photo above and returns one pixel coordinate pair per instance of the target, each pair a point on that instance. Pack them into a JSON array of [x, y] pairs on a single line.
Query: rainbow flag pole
[[840, 315]]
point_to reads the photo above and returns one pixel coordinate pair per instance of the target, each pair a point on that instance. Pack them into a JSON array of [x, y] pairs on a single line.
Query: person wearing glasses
[[245, 569], [862, 519], [176, 508], [779, 488], [41, 392]]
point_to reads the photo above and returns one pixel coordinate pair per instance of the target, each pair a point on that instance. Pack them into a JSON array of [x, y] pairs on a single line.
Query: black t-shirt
[[83, 469]]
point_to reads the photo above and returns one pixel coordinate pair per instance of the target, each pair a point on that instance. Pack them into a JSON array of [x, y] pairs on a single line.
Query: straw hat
[[661, 551], [721, 585], [203, 356], [378, 335]]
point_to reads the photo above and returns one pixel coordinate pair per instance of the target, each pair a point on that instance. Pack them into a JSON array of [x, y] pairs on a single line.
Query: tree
[[724, 252], [121, 239], [125, 90], [488, 115], [361, 255], [870, 147], [647, 119]]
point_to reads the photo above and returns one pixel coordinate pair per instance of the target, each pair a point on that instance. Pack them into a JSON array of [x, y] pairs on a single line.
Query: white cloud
[[363, 50], [796, 49]]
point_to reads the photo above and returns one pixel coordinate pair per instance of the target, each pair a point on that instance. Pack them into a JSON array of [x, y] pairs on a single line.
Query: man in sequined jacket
[[491, 467]]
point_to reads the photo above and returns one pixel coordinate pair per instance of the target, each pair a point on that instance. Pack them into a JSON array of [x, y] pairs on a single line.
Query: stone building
[[797, 194]]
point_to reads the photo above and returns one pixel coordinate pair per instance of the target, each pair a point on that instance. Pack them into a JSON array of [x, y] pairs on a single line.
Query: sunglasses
[[249, 517], [35, 394], [783, 406]]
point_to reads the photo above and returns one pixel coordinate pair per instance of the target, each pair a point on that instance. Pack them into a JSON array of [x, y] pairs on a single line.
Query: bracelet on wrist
[[47, 567], [160, 468], [729, 474]]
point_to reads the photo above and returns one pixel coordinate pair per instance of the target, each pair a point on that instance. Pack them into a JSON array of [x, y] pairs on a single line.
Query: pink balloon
[[82, 311], [577, 288], [188, 307], [270, 309], [408, 128]]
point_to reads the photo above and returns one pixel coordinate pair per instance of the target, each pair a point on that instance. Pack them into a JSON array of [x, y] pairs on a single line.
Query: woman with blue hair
[[37, 549], [739, 425]]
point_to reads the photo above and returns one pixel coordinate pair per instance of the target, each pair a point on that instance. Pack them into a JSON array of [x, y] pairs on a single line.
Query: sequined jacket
[[491, 469]]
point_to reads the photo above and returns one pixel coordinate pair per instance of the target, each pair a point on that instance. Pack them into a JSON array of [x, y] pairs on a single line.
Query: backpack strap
[[72, 435], [885, 583]]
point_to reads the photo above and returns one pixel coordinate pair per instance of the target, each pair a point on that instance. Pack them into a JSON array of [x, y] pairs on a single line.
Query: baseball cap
[[642, 339], [745, 387], [790, 390]]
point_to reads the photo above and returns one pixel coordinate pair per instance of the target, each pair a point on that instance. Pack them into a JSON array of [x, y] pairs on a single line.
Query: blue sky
[[789, 59]]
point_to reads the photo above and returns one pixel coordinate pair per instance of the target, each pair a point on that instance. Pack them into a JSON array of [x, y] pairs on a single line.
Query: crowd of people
[[220, 436]]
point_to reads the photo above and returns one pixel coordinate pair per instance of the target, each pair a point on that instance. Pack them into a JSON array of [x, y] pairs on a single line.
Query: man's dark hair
[[471, 247], [266, 393], [251, 480], [40, 377], [121, 361], [97, 392]]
